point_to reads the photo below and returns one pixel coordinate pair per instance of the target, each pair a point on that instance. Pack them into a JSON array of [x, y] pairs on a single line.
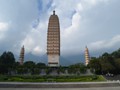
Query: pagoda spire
[[21, 58], [87, 56], [54, 12]]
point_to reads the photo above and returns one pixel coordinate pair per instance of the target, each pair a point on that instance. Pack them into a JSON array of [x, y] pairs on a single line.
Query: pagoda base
[[53, 60]]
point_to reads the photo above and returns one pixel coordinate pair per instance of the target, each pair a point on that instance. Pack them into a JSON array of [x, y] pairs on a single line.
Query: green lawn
[[21, 78]]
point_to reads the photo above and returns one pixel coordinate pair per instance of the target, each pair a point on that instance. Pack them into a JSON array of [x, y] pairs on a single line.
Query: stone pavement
[[98, 88], [59, 85]]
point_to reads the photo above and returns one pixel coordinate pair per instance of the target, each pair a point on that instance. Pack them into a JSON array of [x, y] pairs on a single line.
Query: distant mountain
[[64, 60], [35, 58], [71, 59]]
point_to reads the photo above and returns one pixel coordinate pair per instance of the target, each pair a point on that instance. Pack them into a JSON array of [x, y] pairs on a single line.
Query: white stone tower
[[53, 41]]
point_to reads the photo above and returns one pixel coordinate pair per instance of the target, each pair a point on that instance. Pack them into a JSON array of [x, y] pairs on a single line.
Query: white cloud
[[34, 42], [29, 43], [3, 26], [95, 2], [105, 44], [71, 20], [37, 50], [3, 29], [80, 24], [16, 18]]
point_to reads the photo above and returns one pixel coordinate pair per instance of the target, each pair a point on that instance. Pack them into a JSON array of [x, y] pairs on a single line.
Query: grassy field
[[21, 78]]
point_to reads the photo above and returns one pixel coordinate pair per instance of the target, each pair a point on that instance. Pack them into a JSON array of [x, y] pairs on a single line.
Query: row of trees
[[8, 65], [107, 63], [29, 67]]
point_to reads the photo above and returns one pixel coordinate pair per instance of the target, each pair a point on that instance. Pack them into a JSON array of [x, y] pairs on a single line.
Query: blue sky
[[95, 23]]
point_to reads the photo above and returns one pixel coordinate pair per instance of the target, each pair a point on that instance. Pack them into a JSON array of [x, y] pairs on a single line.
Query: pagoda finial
[[54, 12]]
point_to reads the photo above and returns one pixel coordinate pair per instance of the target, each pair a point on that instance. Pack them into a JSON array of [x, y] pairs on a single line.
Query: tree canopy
[[107, 63], [7, 62]]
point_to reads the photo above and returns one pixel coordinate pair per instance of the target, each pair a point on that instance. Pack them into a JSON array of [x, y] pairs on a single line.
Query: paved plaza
[[99, 88], [60, 86]]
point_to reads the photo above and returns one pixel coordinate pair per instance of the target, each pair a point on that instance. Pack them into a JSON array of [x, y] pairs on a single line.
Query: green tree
[[116, 54], [7, 62], [29, 65], [95, 66], [61, 69], [21, 69], [117, 64], [41, 65], [107, 63], [106, 66], [77, 68]]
